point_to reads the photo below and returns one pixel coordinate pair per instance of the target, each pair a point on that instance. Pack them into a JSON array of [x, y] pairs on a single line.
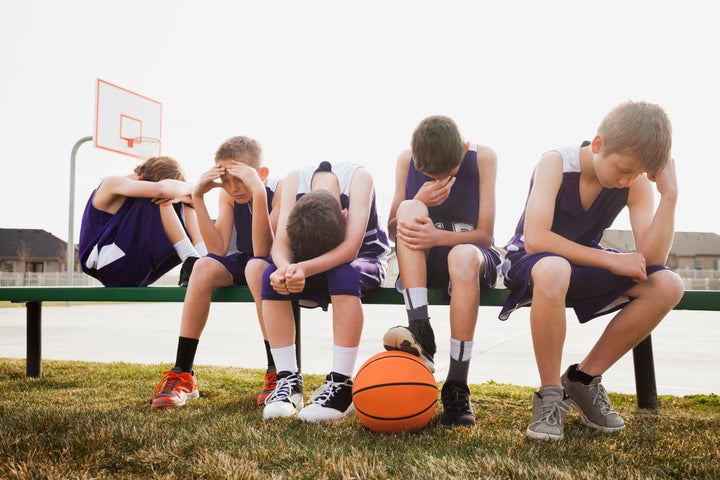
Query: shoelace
[[457, 400], [551, 413], [325, 392], [600, 397], [283, 389], [167, 383]]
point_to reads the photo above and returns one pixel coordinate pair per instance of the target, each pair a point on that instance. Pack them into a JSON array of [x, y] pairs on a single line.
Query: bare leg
[[279, 322], [207, 275], [253, 274], [411, 262], [464, 264], [347, 320], [551, 279], [653, 300]]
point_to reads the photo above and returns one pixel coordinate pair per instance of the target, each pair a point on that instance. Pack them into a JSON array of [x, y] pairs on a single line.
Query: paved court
[[686, 343]]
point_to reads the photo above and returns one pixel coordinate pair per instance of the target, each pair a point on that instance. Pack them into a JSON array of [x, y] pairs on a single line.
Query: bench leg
[[34, 339], [645, 384]]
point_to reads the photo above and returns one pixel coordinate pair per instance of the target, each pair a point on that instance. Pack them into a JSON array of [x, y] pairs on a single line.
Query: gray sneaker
[[592, 403], [550, 405]]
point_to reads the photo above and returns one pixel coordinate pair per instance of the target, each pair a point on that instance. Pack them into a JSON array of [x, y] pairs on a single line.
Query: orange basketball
[[394, 391]]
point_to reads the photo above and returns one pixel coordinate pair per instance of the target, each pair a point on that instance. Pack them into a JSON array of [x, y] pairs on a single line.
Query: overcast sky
[[344, 81]]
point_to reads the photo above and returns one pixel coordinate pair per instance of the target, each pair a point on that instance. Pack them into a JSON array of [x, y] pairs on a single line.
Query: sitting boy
[[319, 258], [556, 258]]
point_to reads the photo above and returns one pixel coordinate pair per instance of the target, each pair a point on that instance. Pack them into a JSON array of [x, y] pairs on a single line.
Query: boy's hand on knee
[[631, 265], [418, 235]]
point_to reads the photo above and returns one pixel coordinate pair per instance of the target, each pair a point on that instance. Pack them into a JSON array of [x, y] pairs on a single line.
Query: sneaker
[[175, 388], [186, 270], [418, 340], [287, 398], [550, 405], [331, 402], [270, 382], [457, 409], [592, 403]]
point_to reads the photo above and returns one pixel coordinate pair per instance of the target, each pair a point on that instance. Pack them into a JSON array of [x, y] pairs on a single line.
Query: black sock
[[418, 314], [270, 359], [186, 353], [577, 375]]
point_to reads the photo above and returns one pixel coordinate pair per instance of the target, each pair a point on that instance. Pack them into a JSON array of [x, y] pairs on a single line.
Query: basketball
[[393, 392]]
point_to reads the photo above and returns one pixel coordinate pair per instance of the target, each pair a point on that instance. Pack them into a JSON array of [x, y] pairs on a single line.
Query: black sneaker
[[186, 270], [457, 409], [287, 398], [417, 339], [331, 402]]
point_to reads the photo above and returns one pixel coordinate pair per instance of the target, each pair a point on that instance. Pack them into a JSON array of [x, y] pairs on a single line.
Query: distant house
[[31, 251], [690, 250]]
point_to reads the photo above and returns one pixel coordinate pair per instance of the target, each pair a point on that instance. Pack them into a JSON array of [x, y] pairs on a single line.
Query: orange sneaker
[[175, 389], [270, 382]]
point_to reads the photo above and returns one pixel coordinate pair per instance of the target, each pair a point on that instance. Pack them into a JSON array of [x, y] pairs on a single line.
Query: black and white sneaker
[[331, 402], [417, 339], [287, 398], [457, 409]]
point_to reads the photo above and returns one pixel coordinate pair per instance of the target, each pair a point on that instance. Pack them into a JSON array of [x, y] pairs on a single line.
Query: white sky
[[329, 80]]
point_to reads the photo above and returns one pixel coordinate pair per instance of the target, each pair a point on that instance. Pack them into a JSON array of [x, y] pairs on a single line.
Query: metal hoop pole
[[71, 220]]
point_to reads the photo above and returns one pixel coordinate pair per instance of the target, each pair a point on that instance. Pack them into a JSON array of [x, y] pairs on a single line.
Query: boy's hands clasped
[[287, 280]]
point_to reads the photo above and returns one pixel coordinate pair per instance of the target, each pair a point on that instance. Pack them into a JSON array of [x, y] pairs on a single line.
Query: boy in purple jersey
[[247, 204], [330, 248], [136, 228], [555, 257], [442, 220]]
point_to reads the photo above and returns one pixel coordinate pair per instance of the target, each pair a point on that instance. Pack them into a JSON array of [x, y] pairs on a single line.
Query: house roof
[[685, 244], [39, 243]]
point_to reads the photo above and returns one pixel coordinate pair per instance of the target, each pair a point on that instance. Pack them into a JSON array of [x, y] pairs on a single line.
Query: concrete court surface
[[687, 358]]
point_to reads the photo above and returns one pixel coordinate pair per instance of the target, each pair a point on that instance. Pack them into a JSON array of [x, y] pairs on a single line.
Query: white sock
[[344, 359], [460, 348], [415, 297], [185, 249], [201, 249], [285, 359]]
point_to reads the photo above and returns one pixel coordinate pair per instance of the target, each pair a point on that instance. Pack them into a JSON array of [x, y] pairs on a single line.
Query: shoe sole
[[190, 396], [590, 424], [400, 338], [342, 415], [533, 435]]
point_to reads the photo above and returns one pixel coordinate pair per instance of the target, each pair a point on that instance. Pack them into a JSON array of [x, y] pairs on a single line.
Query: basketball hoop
[[145, 147]]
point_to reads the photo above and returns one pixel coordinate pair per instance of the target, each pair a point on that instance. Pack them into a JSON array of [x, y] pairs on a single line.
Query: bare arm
[[215, 235], [113, 190], [654, 232], [401, 169]]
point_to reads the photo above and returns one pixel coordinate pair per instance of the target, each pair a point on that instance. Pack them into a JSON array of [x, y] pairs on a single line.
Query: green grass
[[91, 420]]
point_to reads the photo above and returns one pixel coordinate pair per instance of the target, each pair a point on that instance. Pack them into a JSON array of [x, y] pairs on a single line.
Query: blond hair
[[638, 129], [241, 149]]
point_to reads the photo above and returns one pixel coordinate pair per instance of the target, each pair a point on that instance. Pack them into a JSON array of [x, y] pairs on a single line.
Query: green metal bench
[[33, 297]]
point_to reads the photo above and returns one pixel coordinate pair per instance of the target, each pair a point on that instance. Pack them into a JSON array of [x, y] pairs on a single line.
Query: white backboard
[[121, 116]]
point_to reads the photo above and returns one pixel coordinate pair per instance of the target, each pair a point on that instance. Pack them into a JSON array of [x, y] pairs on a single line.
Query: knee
[[553, 274], [409, 209], [465, 261], [670, 286], [254, 270]]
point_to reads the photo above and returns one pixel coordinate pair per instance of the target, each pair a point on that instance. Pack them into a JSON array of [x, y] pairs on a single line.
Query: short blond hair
[[638, 129], [241, 149]]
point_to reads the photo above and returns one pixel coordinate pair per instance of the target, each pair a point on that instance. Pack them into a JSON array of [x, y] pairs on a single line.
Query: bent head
[[641, 133], [317, 223], [155, 169], [437, 146]]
